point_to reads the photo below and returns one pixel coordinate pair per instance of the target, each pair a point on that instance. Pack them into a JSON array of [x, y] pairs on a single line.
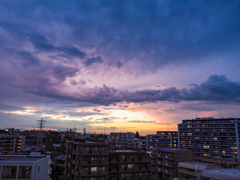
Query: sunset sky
[[128, 65]]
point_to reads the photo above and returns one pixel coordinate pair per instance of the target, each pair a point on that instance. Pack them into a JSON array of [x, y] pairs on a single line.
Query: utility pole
[[41, 124]]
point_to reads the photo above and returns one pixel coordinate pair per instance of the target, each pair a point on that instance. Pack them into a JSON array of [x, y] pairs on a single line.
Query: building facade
[[12, 144], [163, 139], [210, 137], [94, 161], [165, 161], [122, 140]]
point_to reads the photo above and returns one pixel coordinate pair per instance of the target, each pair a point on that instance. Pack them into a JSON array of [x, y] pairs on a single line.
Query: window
[[93, 169], [9, 172], [101, 168], [25, 172], [130, 165]]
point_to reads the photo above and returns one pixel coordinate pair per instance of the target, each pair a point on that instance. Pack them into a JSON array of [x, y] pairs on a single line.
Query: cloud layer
[[89, 54]]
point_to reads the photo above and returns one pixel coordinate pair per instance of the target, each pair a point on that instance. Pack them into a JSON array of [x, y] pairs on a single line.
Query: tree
[[137, 135]]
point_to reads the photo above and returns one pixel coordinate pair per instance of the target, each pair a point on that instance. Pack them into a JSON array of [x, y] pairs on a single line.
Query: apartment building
[[163, 139], [165, 161], [128, 164], [94, 161], [87, 160], [210, 137], [122, 140], [12, 143], [31, 167]]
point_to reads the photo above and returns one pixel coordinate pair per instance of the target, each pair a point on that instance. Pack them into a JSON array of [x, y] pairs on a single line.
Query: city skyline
[[128, 66]]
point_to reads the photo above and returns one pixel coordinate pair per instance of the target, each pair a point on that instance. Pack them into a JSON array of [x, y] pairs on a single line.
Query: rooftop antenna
[[220, 114], [196, 114]]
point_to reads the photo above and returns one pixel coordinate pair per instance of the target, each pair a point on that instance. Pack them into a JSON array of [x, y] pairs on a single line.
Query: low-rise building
[[129, 164], [94, 160], [163, 139], [190, 170], [220, 174], [33, 167], [122, 140], [12, 143], [166, 161]]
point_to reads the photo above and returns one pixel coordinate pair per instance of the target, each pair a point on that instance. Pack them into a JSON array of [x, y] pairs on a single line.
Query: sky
[[121, 66]]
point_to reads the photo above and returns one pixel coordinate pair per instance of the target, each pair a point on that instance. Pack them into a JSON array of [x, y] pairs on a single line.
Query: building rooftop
[[211, 118], [199, 163], [227, 172], [20, 158], [125, 151], [172, 150]]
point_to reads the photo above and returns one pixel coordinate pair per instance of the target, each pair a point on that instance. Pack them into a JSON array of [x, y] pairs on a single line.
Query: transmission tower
[[74, 129], [41, 124]]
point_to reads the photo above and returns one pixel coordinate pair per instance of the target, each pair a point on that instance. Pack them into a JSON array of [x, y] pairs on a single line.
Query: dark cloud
[[71, 51], [151, 33], [41, 43], [119, 64], [92, 60], [27, 57], [215, 88], [61, 72], [81, 114], [169, 110], [6, 107]]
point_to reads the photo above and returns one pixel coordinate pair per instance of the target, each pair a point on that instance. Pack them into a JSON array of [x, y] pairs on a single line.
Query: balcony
[[168, 172], [75, 152], [160, 170], [169, 164], [75, 172], [86, 153], [99, 173], [169, 157], [86, 163], [114, 161], [75, 162]]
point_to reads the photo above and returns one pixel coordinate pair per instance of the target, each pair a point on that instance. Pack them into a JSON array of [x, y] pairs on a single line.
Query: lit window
[[93, 169]]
